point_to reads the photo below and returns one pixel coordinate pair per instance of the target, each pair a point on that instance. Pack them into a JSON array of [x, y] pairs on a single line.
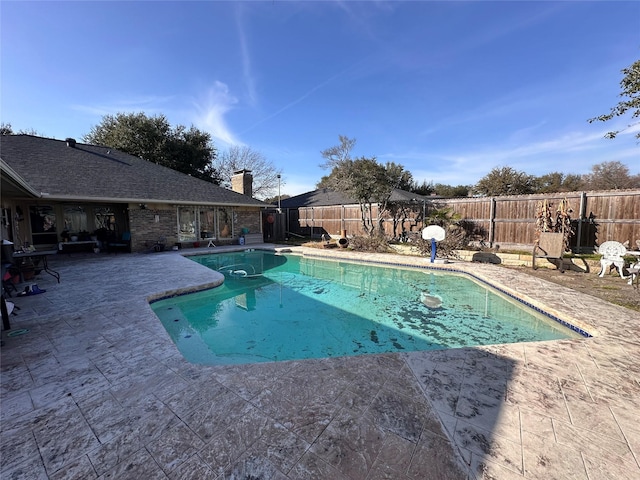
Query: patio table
[[38, 255]]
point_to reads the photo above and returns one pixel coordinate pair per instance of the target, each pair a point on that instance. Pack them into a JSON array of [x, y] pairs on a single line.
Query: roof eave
[[76, 198], [17, 180]]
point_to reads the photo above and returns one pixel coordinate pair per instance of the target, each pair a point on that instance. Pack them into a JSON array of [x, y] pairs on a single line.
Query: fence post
[[581, 217], [492, 219]]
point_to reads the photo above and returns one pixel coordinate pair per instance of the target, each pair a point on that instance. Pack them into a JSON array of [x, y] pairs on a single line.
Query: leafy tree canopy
[[604, 176], [505, 181], [265, 175], [338, 154], [7, 129], [630, 85], [558, 182], [367, 181], [610, 176], [423, 188], [274, 200], [450, 191], [190, 151]]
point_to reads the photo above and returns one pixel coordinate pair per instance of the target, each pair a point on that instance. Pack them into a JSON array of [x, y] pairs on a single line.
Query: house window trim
[[196, 209]]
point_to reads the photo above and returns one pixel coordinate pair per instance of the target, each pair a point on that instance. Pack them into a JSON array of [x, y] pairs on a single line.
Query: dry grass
[[611, 287]]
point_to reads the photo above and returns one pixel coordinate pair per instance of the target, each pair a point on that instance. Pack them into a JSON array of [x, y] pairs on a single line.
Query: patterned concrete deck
[[96, 389]]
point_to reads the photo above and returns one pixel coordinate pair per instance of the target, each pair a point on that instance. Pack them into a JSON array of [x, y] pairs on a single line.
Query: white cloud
[[211, 111], [246, 59], [573, 152], [147, 104]]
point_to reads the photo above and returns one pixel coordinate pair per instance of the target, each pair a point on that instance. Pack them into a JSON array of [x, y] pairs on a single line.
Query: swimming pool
[[275, 307]]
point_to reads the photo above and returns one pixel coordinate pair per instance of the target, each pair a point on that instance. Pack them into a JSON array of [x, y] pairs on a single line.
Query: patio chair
[[612, 255], [550, 245]]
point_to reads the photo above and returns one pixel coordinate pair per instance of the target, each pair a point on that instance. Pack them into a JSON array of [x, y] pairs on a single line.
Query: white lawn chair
[[612, 253]]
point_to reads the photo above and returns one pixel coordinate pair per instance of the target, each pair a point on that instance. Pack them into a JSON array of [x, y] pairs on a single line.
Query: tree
[[265, 175], [368, 182], [192, 152], [558, 182], [324, 182], [189, 151], [364, 180], [336, 155], [423, 188], [449, 191], [610, 176], [505, 181], [630, 85], [398, 177], [7, 129], [274, 200]]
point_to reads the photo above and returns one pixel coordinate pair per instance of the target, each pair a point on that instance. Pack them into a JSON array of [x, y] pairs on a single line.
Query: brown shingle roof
[[91, 172], [324, 197]]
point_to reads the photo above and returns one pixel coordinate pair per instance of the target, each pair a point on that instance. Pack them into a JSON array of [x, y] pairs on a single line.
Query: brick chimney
[[242, 182]]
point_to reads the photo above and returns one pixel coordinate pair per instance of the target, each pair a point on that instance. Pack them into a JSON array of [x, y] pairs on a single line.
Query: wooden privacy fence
[[505, 221], [331, 220], [595, 216]]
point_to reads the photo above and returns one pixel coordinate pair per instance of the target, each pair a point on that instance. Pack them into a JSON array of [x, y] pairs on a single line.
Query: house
[[56, 190], [327, 212]]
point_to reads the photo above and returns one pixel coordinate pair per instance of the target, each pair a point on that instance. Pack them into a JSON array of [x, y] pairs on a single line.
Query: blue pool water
[[285, 307]]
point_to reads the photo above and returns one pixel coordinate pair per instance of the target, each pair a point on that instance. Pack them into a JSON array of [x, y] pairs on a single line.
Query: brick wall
[[247, 218], [145, 230]]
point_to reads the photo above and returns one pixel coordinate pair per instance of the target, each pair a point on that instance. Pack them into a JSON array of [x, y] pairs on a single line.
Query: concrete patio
[[97, 389]]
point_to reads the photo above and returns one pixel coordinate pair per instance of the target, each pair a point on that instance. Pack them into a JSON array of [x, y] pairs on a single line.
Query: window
[[105, 218], [207, 223], [187, 224], [75, 219], [225, 223], [196, 223], [43, 225]]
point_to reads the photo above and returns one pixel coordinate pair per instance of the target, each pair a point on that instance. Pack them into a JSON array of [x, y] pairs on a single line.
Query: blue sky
[[450, 90]]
